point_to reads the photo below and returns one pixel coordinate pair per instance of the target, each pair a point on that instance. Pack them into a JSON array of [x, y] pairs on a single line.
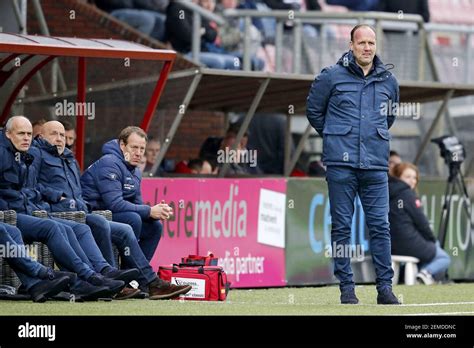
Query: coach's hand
[[161, 211]]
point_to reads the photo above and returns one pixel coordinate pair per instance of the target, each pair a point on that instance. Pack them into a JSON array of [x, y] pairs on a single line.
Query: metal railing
[[198, 14], [298, 19], [404, 23]]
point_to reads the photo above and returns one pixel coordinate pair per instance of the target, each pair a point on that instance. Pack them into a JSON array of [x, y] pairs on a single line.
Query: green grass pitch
[[451, 299]]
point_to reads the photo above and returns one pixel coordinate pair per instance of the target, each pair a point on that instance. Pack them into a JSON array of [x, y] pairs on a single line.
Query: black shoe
[[127, 275], [53, 274], [84, 291], [349, 297], [47, 288], [115, 286], [386, 297], [65, 296]]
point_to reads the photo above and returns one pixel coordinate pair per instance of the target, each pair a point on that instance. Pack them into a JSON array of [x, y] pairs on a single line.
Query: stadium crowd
[[222, 45]]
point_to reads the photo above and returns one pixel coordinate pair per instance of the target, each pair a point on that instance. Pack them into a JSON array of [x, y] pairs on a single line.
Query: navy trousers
[[344, 183], [147, 231], [26, 268], [55, 236]]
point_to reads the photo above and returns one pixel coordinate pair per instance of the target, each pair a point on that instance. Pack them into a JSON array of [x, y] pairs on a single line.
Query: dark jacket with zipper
[[179, 28], [410, 230], [59, 178], [352, 113], [18, 179], [112, 183]]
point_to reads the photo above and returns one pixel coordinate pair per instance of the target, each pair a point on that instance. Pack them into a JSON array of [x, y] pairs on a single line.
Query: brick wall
[[195, 127]]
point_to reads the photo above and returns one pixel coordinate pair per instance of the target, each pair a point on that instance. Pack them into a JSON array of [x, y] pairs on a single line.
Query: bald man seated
[[59, 182]]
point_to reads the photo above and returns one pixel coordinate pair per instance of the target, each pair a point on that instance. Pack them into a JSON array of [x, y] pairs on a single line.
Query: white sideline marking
[[423, 304], [445, 313], [436, 304]]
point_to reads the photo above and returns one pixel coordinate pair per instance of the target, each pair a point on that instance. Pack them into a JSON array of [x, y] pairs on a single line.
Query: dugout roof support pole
[[81, 120], [299, 149], [246, 122], [177, 120]]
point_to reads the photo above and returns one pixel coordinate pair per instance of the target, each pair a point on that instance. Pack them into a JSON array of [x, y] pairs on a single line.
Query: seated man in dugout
[[59, 181], [113, 182], [40, 282], [19, 192]]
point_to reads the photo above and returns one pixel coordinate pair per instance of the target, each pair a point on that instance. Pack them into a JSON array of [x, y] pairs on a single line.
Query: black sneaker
[[47, 288], [127, 275], [52, 274], [84, 291], [386, 297], [65, 296], [115, 286], [349, 297]]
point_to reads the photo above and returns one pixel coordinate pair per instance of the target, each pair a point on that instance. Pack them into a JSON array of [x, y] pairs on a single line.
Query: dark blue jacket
[[18, 179], [346, 109], [59, 176], [111, 183], [410, 230]]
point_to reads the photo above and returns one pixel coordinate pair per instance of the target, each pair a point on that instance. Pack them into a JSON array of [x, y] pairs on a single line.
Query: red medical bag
[[209, 283]]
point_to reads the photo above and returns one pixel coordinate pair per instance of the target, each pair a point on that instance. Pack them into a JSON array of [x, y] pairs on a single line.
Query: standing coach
[[347, 105]]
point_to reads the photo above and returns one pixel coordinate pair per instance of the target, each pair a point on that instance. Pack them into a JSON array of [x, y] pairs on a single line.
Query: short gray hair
[[9, 125]]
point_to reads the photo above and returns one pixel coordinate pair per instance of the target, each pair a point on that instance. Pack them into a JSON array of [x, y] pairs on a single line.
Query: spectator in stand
[[393, 159], [356, 5], [209, 149], [420, 7], [410, 230], [200, 166], [179, 28], [267, 137], [213, 163], [153, 147], [239, 162], [147, 16], [256, 21], [232, 33], [38, 127], [70, 135], [182, 168], [316, 169], [290, 5]]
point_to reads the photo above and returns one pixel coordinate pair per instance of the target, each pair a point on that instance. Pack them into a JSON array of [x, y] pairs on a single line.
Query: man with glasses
[[113, 183]]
